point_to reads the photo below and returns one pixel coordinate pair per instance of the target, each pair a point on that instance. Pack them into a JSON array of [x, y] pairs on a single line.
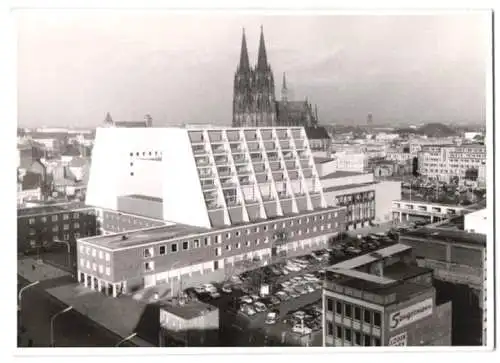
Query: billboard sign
[[410, 314], [399, 340]]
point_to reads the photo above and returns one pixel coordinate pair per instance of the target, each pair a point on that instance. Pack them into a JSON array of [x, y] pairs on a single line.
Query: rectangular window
[[207, 241], [348, 310], [108, 257], [101, 269], [248, 231], [149, 266], [256, 229], [54, 218], [218, 251], [94, 252], [228, 248], [196, 243], [329, 304], [238, 233], [329, 328], [266, 228], [66, 227], [65, 217], [357, 313], [218, 239], [173, 247], [76, 225], [376, 342], [101, 255], [75, 215], [77, 235], [357, 338], [347, 335], [82, 262], [55, 228], [228, 235], [87, 264], [338, 307], [367, 340], [238, 245], [44, 219], [339, 332], [94, 266], [82, 249], [376, 318], [247, 243], [108, 271], [185, 245], [368, 316], [148, 252], [163, 250]]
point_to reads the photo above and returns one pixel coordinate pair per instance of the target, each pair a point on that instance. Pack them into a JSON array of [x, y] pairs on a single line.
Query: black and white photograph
[[253, 179]]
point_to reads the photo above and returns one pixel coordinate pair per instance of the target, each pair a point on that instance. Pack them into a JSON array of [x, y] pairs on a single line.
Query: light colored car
[[301, 290], [285, 271], [227, 289], [293, 268], [309, 288], [260, 307], [235, 279], [246, 299], [271, 318], [199, 290], [299, 329], [255, 297], [248, 310], [209, 288], [282, 295], [214, 295], [286, 283]]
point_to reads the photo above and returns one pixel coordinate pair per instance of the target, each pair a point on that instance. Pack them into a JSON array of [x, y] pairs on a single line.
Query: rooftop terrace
[[371, 257], [188, 311], [446, 235]]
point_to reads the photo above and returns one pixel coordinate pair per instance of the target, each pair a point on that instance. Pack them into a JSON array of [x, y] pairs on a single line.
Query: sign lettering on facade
[[410, 314], [399, 340]]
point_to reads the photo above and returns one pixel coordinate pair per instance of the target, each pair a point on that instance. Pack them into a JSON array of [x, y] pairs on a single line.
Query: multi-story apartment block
[[444, 162], [40, 226], [228, 195], [383, 299]]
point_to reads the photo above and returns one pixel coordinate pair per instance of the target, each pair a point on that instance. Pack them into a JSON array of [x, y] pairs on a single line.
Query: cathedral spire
[[108, 119], [262, 57], [284, 89], [244, 63]]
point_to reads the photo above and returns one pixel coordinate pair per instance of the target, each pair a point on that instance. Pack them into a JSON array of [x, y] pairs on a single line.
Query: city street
[[70, 329]]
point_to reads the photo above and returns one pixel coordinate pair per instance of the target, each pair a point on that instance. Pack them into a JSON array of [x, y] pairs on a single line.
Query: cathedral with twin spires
[[254, 100]]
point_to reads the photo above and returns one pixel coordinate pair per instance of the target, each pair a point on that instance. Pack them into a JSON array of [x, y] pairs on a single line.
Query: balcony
[[224, 172], [290, 165], [300, 145], [219, 150], [240, 160], [272, 157], [202, 161], [221, 161], [233, 136], [245, 181], [256, 157], [208, 186], [269, 145], [211, 205], [282, 134], [275, 166], [305, 164], [285, 145], [250, 135], [199, 151], [288, 156], [237, 149], [205, 175], [243, 171], [228, 185], [267, 134]]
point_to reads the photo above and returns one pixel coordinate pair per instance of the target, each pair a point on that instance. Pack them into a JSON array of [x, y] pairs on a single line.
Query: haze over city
[[76, 66]]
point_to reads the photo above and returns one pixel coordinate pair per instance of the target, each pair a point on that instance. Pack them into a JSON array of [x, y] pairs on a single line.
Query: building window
[[247, 243], [266, 240], [299, 221], [163, 250], [94, 266], [256, 229], [339, 332], [338, 308], [376, 342], [44, 219], [87, 250], [81, 249], [266, 228], [228, 248], [149, 266], [32, 231], [238, 233], [228, 235], [376, 318], [185, 245], [248, 231], [347, 335], [94, 252], [108, 257], [82, 262], [348, 310], [77, 235], [101, 269], [367, 340], [357, 313], [66, 227], [173, 247], [329, 304], [368, 316], [196, 243], [335, 214], [329, 328], [257, 242], [275, 226], [101, 255], [65, 217], [76, 225], [238, 245], [88, 264], [54, 218], [218, 239], [218, 251], [357, 338], [75, 215], [108, 271], [55, 228], [207, 241]]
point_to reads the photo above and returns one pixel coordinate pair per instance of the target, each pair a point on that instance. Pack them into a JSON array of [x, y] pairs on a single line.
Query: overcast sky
[[76, 66]]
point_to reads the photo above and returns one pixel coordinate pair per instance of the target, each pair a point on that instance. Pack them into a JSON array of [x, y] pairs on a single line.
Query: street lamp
[[125, 339], [52, 320], [19, 301]]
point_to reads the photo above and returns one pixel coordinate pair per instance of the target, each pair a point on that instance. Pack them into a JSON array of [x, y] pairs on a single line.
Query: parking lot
[[280, 304]]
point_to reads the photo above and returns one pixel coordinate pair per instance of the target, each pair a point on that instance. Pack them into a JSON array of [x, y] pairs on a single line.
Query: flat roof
[[371, 257], [187, 311], [321, 160], [143, 197], [446, 235], [341, 174], [138, 237], [50, 208], [348, 186]]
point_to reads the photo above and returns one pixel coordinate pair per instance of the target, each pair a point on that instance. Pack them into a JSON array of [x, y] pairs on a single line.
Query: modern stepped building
[[207, 177], [227, 199]]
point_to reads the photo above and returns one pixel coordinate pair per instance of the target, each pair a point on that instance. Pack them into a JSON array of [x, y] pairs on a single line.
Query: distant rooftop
[[48, 208], [187, 311], [322, 160], [347, 186], [371, 257], [341, 174], [139, 237], [448, 235], [144, 197]]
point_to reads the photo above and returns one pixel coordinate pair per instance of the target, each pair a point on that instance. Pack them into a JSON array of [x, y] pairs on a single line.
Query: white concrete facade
[[476, 222]]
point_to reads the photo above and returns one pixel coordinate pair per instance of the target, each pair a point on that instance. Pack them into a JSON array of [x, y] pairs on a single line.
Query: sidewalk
[[119, 315]]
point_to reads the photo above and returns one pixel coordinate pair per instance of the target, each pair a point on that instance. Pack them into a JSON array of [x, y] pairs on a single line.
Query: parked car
[[248, 310], [214, 294], [259, 307], [246, 299], [282, 295], [303, 330], [209, 288], [226, 288], [271, 318]]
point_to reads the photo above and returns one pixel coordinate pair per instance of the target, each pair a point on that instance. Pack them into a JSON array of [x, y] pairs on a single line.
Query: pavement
[[120, 316]]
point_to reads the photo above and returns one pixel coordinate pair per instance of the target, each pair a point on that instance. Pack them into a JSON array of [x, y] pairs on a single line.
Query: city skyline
[[131, 64]]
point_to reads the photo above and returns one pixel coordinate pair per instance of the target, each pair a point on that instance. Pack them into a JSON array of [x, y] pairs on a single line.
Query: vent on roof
[[124, 237]]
